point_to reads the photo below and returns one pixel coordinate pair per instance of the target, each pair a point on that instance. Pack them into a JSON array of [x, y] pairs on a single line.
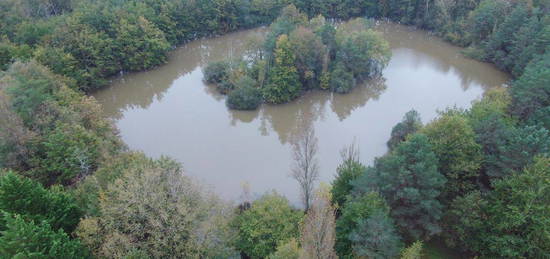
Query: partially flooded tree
[[319, 229], [306, 169]]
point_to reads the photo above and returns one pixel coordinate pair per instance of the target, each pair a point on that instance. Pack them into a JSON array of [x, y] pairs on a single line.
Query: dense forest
[[69, 188]]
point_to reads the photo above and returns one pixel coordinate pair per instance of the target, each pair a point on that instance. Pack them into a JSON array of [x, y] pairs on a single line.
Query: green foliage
[[466, 225], [141, 44], [411, 184], [364, 53], [310, 52], [414, 251], [298, 55], [24, 239], [69, 151], [459, 156], [29, 86], [354, 212], [485, 18], [523, 145], [216, 72], [531, 91], [519, 218], [376, 237], [410, 124], [346, 173], [341, 80], [25, 197], [56, 133], [269, 222], [244, 98], [288, 250], [284, 81], [511, 221], [152, 207]]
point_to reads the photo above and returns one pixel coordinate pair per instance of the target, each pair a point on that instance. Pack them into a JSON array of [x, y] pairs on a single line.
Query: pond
[[170, 111]]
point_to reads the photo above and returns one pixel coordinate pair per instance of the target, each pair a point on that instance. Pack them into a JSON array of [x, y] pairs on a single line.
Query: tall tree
[[284, 80], [318, 230], [306, 169]]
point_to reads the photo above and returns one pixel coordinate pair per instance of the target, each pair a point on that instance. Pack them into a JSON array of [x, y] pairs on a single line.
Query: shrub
[[216, 72], [245, 98], [341, 80]]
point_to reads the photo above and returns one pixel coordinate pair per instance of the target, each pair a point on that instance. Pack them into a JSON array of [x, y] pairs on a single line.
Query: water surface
[[170, 111]]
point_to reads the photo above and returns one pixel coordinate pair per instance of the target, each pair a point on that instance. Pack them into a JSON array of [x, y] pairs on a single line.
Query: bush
[[216, 72], [245, 98]]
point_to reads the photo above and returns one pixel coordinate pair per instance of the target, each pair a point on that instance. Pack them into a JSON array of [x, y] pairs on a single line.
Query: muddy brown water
[[170, 111]]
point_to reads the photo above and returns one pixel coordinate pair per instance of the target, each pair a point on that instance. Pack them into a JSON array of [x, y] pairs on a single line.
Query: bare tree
[[350, 153], [305, 169], [318, 231]]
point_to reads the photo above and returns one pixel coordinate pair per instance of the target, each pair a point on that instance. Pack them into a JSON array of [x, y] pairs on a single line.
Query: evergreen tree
[[531, 91], [23, 196], [346, 173], [355, 211], [376, 237], [411, 184], [27, 239]]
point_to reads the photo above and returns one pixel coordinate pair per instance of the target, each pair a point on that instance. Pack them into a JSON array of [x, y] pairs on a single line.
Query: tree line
[[90, 41], [298, 55]]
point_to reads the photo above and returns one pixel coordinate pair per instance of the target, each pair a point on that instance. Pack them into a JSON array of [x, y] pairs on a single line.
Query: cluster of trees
[[90, 41], [48, 131], [477, 178], [300, 54]]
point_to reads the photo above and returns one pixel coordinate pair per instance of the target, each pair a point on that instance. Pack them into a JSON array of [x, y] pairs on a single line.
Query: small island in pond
[[298, 55]]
